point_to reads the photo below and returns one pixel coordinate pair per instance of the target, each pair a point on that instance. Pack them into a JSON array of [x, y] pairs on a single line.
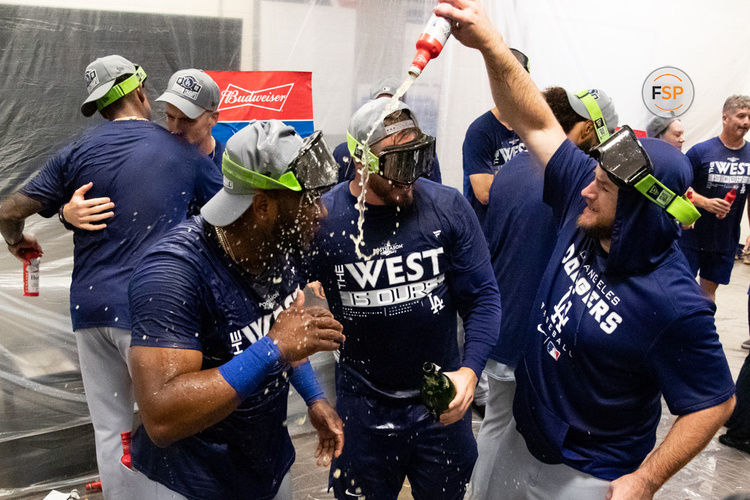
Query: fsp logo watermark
[[668, 91]]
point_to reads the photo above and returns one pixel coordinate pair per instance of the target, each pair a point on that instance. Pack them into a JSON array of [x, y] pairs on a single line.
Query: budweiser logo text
[[272, 98]]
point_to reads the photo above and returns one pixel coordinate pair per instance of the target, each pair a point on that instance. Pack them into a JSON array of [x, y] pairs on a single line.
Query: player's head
[[113, 83], [192, 99], [393, 149], [735, 116], [273, 181], [578, 114], [669, 130]]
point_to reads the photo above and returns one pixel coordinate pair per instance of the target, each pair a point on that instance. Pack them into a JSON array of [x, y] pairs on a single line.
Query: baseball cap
[[371, 112], [269, 155], [388, 85], [658, 125], [192, 91], [100, 77], [605, 104]]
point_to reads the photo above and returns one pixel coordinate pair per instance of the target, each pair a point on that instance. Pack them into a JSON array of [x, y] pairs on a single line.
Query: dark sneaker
[[740, 444]]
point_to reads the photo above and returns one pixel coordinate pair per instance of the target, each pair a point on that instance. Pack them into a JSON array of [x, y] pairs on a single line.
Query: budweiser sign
[[272, 98]]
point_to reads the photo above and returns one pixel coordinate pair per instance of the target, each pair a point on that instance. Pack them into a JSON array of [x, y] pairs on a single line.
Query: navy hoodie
[[612, 333]]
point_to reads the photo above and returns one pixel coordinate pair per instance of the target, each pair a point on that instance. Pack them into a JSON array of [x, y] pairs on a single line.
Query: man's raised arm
[[513, 91]]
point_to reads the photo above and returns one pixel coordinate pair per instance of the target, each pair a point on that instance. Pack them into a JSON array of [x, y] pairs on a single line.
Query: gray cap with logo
[[267, 148], [387, 86], [605, 104], [658, 125], [370, 114], [192, 91], [100, 77]]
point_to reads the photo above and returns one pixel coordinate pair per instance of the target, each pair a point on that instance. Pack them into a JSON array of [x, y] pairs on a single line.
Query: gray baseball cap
[[192, 91], [266, 148], [605, 104], [100, 77], [658, 125], [388, 85], [370, 114]]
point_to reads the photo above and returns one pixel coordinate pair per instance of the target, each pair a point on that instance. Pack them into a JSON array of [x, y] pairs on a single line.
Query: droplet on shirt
[[117, 319], [135, 213], [91, 287], [337, 473], [77, 307], [106, 308]]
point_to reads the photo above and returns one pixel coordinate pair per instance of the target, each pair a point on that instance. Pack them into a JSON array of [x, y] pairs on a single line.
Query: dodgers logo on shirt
[[187, 86]]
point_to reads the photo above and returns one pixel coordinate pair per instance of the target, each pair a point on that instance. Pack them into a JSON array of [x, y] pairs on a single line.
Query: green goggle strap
[[355, 149], [121, 89], [239, 174], [678, 207], [595, 113]]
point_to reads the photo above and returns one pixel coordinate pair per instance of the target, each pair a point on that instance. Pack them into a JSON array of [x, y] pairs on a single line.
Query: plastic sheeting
[[45, 435]]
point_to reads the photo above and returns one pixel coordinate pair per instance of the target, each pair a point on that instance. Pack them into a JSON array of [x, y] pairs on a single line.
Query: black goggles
[[314, 167], [400, 163], [626, 163]]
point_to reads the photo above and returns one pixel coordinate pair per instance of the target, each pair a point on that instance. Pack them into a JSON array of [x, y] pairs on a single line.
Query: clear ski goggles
[[626, 163], [313, 169], [400, 163]]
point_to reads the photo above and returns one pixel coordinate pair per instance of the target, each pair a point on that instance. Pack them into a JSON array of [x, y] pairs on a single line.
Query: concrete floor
[[716, 472]]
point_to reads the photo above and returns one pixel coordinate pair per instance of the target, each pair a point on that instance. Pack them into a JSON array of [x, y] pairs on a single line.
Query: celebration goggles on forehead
[[625, 161], [313, 169], [400, 163], [121, 89], [595, 113]]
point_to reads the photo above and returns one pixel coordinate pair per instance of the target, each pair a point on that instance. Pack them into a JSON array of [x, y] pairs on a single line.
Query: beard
[[391, 194], [598, 230]]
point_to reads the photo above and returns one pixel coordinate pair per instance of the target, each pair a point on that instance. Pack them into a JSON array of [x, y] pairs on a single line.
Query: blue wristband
[[246, 371], [303, 379]]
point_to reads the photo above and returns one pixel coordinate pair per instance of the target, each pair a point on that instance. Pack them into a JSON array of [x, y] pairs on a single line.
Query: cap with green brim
[[256, 157], [100, 77]]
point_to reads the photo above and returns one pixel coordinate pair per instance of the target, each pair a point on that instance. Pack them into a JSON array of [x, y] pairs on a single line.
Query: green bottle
[[437, 389]]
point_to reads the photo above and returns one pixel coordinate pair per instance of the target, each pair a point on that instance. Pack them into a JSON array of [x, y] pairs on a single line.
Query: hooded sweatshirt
[[613, 332]]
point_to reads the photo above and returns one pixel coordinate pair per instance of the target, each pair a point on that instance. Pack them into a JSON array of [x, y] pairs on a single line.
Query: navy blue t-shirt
[[487, 146], [151, 177], [429, 261], [218, 153], [347, 169], [521, 232], [187, 294], [716, 170], [608, 341]]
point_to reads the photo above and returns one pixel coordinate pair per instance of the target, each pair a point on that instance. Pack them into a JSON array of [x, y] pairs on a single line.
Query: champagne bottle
[[437, 389]]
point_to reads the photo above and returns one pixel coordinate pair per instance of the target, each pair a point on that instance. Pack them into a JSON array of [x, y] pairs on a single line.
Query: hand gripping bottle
[[430, 43], [729, 198], [437, 389], [31, 273]]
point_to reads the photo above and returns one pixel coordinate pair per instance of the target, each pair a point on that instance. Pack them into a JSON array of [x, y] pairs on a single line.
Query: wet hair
[[557, 99], [735, 102]]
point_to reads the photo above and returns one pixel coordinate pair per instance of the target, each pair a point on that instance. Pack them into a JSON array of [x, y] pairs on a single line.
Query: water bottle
[[430, 43], [729, 198], [437, 389], [31, 273]]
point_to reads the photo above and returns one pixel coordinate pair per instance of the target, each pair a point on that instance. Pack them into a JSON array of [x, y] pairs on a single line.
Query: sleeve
[[435, 174], [472, 283], [478, 152], [208, 181], [164, 303], [48, 187], [567, 173], [689, 364], [695, 160]]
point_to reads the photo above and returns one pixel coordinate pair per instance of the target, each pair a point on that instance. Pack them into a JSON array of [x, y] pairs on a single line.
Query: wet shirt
[[151, 177], [187, 294], [716, 170], [521, 232], [428, 262], [606, 346], [487, 146]]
